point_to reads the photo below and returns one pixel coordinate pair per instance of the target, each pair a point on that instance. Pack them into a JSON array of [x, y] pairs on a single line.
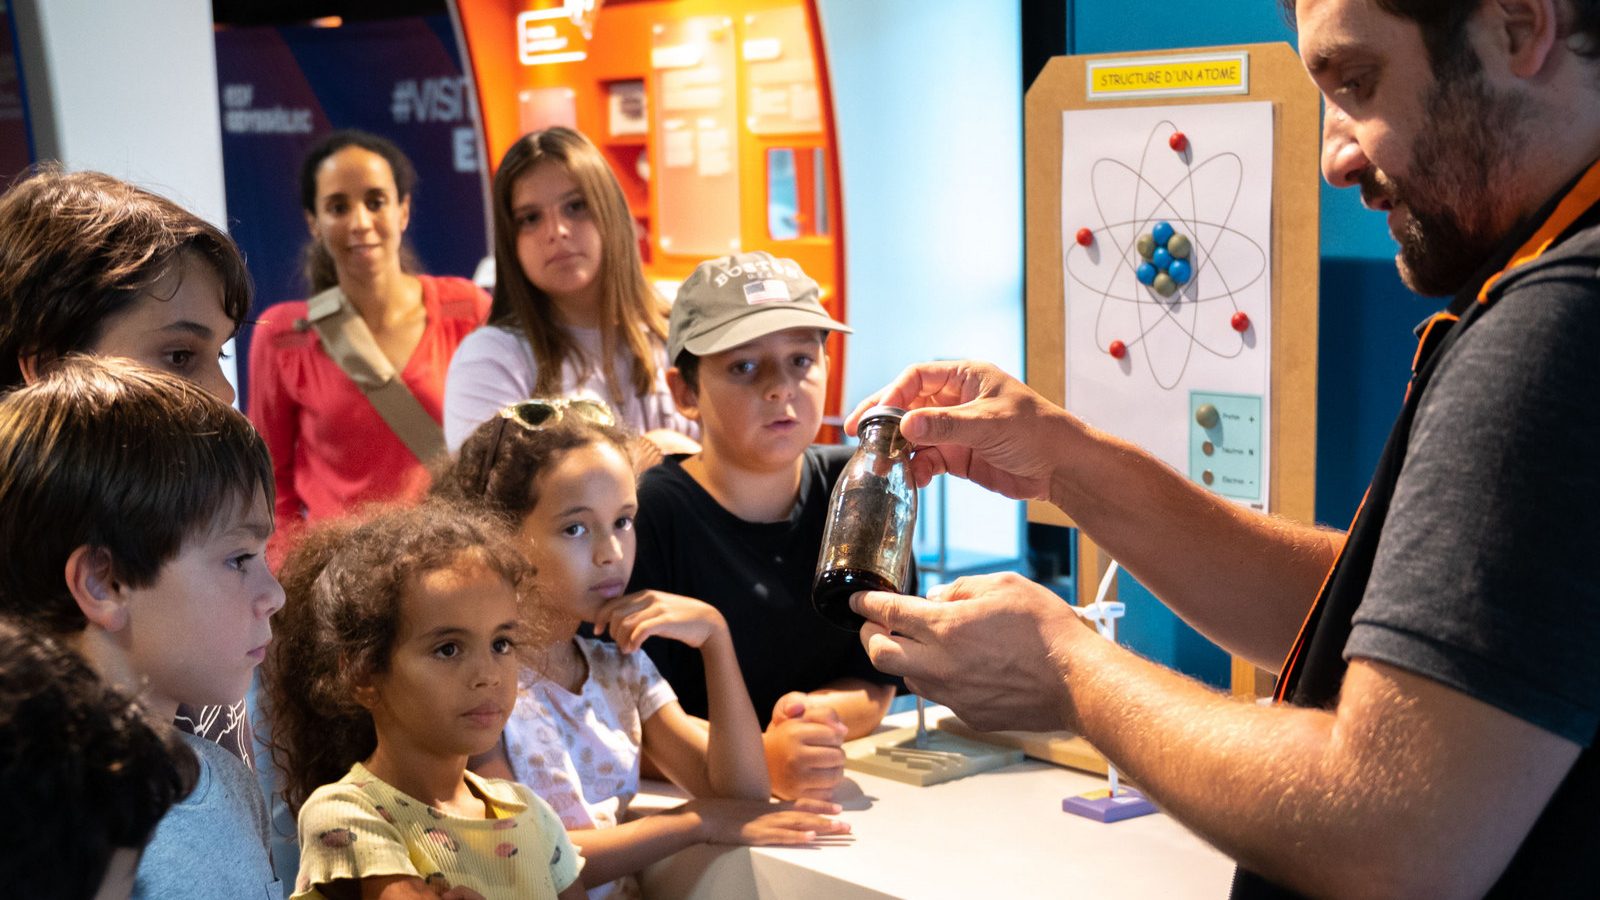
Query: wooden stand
[[1063, 748], [895, 755]]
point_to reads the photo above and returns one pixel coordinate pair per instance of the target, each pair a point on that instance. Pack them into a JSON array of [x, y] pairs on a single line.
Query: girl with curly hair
[[396, 661]]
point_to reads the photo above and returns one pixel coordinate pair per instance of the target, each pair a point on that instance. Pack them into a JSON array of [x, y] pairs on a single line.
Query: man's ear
[[93, 585], [1528, 31], [686, 398]]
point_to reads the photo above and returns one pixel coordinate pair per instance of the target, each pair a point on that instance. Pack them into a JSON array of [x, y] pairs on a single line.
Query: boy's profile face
[[179, 326], [760, 403], [198, 632]]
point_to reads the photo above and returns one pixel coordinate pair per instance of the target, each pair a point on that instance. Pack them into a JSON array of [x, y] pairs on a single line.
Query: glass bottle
[[871, 516]]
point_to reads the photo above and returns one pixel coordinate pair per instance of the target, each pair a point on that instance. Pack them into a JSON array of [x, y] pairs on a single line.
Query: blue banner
[[15, 146], [283, 88]]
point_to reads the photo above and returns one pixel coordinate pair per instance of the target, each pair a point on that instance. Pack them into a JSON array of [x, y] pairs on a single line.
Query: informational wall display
[[1169, 76], [783, 94], [694, 72], [1226, 449], [1168, 215], [546, 107], [626, 111], [715, 117]]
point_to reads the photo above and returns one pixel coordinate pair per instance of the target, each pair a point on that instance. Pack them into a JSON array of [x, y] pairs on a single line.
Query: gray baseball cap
[[736, 299]]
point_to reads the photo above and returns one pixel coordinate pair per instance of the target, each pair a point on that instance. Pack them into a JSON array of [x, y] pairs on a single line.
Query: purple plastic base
[[1102, 807]]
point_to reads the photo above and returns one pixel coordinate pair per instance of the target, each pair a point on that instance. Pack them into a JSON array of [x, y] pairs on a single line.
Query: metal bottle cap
[[881, 412]]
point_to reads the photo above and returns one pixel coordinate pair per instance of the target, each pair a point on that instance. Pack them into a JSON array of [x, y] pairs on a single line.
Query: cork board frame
[[1275, 75]]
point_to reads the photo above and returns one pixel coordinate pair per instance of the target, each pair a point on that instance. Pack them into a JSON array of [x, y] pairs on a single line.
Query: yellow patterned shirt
[[361, 827]]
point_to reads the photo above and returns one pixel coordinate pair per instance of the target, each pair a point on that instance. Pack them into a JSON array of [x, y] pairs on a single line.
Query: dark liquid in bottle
[[831, 594]]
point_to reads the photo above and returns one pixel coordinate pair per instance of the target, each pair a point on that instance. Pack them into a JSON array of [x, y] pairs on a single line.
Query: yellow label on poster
[[1171, 76]]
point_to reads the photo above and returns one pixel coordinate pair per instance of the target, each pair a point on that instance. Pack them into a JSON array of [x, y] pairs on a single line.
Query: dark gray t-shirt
[[1487, 577]]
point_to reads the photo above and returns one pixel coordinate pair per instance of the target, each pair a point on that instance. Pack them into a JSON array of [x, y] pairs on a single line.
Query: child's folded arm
[[861, 704]]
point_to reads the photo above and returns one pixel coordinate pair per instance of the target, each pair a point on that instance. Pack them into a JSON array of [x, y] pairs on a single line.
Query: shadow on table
[[850, 796]]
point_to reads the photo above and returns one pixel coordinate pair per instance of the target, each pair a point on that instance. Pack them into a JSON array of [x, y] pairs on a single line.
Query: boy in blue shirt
[[739, 524], [136, 507]]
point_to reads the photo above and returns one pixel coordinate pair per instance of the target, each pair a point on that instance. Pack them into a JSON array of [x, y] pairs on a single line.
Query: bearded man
[[1439, 663]]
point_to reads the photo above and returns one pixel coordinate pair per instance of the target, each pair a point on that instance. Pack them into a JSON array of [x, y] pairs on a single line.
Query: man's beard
[[1451, 218]]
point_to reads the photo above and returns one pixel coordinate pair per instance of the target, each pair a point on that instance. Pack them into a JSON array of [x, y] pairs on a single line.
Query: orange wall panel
[[623, 35]]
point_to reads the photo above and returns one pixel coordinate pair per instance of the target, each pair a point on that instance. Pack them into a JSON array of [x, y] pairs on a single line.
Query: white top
[[494, 368], [580, 752]]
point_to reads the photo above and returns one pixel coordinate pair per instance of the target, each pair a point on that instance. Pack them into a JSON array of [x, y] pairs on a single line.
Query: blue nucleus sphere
[[1162, 233], [1146, 273], [1161, 258], [1180, 271]]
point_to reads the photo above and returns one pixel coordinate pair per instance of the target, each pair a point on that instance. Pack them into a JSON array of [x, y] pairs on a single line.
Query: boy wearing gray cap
[[739, 524]]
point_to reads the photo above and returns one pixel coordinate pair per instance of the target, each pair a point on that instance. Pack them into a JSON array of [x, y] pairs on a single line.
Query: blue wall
[[928, 110], [1365, 340]]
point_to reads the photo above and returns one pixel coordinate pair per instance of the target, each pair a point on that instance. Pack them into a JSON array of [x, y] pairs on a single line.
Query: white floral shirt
[[580, 752]]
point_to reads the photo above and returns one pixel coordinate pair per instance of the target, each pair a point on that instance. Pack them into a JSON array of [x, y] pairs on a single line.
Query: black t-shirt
[[757, 574], [1475, 561]]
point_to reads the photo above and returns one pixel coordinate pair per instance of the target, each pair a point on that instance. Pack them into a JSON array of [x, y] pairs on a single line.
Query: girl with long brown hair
[[573, 315]]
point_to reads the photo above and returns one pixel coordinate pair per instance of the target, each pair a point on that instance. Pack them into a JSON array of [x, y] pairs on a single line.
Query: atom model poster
[[1167, 245]]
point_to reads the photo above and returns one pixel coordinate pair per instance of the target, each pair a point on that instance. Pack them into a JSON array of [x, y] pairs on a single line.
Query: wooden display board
[[1274, 74]]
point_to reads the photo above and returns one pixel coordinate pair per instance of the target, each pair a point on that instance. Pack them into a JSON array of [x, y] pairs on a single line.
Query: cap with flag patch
[[736, 299]]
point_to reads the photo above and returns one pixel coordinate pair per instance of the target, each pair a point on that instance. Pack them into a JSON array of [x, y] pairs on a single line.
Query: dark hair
[[343, 584], [1443, 24], [508, 486], [688, 369], [316, 265], [631, 312], [80, 247], [106, 453], [79, 758]]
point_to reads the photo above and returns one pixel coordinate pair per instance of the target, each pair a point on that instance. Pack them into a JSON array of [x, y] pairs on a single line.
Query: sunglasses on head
[[538, 413]]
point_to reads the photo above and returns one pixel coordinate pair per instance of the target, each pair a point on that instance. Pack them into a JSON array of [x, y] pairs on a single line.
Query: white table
[[995, 834]]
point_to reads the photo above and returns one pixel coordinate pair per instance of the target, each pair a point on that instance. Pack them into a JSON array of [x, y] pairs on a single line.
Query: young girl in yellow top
[[560, 473], [396, 661]]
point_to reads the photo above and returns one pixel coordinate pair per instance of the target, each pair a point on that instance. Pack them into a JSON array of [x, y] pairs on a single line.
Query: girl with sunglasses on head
[[559, 472], [573, 315]]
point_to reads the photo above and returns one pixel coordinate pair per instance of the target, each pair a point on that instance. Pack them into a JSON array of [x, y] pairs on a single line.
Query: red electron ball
[[1240, 322], [1117, 349], [1085, 237], [1178, 142]]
